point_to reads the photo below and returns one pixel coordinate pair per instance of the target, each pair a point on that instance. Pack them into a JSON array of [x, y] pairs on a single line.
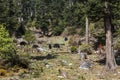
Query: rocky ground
[[62, 66]]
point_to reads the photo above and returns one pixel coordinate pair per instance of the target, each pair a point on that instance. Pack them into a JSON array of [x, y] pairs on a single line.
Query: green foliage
[[7, 48], [117, 32], [85, 48], [58, 30], [98, 29], [3, 11], [11, 17], [72, 31], [48, 15], [73, 49], [30, 24], [29, 36], [18, 60], [82, 32], [70, 42], [117, 45], [73, 15]]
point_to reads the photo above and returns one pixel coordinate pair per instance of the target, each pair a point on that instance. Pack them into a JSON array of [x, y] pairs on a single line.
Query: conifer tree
[[7, 48]]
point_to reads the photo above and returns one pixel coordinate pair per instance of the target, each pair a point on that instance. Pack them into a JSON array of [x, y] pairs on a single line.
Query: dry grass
[[66, 67], [63, 66]]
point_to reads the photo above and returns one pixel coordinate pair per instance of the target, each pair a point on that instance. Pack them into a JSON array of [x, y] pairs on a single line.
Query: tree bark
[[110, 58], [87, 30]]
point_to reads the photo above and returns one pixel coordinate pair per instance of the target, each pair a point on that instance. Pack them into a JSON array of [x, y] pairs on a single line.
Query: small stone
[[64, 63], [118, 72], [85, 65], [47, 65], [60, 77], [70, 64]]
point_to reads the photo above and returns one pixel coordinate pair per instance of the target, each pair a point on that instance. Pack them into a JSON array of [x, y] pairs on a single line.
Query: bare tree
[[87, 30], [110, 58]]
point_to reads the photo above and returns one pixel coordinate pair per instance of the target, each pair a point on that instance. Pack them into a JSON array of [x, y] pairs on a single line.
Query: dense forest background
[[54, 16]]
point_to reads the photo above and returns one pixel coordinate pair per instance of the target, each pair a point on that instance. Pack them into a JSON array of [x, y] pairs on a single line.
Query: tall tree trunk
[[110, 58], [87, 30]]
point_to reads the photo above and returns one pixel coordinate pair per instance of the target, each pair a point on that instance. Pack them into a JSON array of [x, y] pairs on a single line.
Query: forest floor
[[58, 65], [62, 66]]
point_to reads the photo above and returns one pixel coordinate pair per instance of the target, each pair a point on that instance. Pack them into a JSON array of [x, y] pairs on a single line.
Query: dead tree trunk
[[87, 30], [110, 58]]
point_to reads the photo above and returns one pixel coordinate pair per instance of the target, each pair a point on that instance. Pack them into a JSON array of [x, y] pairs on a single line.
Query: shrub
[[57, 30], [72, 31], [73, 49], [8, 51], [29, 36], [117, 45], [7, 48], [3, 72], [17, 60], [85, 48], [70, 41]]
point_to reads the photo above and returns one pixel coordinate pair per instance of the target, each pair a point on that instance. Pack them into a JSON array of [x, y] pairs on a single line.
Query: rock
[[56, 45], [70, 64], [39, 49], [60, 77], [23, 43], [65, 39], [86, 65], [63, 74], [35, 46], [48, 65], [118, 72], [63, 63], [83, 55]]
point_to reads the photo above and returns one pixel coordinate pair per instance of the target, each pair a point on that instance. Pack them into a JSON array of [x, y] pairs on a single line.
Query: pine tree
[[107, 10], [3, 11]]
